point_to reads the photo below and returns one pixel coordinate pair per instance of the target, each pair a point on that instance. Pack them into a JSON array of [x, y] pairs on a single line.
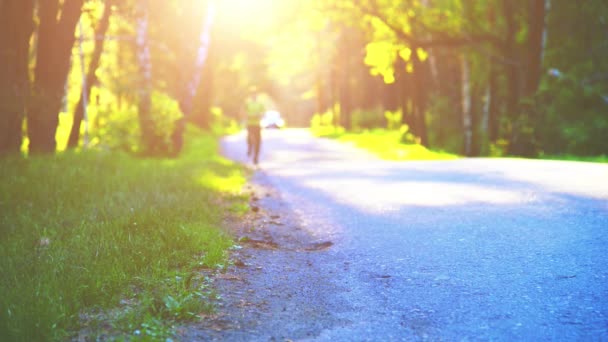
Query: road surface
[[472, 249]]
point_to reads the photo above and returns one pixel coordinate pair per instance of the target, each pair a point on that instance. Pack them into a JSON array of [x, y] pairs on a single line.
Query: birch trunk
[[186, 103]]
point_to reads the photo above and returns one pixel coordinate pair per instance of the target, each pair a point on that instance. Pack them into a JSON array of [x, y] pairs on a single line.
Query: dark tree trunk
[[333, 96], [513, 80], [403, 80], [16, 25], [476, 109], [536, 28], [493, 114], [420, 99], [447, 79], [320, 84], [369, 88], [522, 140], [345, 98], [512, 68], [347, 64], [55, 42], [150, 141], [467, 117], [100, 32]]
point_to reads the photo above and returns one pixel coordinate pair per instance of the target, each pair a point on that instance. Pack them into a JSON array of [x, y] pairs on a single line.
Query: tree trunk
[[16, 25], [492, 104], [177, 137], [146, 123], [333, 95], [545, 33], [99, 34], [522, 139], [55, 41], [345, 95], [420, 99], [484, 125], [201, 112], [536, 29], [512, 69], [491, 109], [403, 80], [467, 118]]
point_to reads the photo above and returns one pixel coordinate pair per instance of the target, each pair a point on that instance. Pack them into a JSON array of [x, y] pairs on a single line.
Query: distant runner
[[254, 110]]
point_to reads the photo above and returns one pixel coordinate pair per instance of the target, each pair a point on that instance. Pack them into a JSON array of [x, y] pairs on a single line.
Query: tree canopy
[[487, 77]]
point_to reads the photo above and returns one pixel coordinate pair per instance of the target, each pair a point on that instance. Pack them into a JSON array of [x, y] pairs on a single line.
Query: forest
[[492, 77]]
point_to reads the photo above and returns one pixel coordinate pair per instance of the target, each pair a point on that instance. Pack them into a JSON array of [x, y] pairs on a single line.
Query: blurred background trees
[[491, 77]]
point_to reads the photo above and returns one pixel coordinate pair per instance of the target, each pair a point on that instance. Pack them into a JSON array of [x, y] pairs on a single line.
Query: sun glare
[[247, 13]]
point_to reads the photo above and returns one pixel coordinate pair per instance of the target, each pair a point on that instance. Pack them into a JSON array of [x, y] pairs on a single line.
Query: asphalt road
[[477, 249]]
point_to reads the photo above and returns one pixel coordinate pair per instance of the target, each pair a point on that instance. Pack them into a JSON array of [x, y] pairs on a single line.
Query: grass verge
[[384, 143], [83, 234], [596, 159]]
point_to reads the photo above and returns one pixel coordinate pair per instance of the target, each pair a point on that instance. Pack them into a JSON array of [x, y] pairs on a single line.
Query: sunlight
[[247, 14]]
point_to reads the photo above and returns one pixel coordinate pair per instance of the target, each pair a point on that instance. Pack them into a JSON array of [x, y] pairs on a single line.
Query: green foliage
[[323, 124], [381, 56], [312, 55], [86, 231], [444, 125], [407, 137], [393, 119], [572, 104], [221, 124], [368, 119], [117, 128], [573, 121], [165, 111], [387, 144], [595, 159], [498, 148]]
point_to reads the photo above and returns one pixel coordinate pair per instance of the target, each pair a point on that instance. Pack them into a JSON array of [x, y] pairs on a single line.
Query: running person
[[254, 110]]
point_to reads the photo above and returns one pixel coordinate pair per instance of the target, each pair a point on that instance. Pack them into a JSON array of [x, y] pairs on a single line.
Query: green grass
[[596, 159], [384, 143], [94, 237]]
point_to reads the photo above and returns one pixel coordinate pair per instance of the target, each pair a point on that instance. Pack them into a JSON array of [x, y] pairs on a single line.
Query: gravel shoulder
[[275, 289]]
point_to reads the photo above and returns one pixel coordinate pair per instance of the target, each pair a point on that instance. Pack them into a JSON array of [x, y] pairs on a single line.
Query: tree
[[99, 36], [192, 86], [16, 26], [55, 41]]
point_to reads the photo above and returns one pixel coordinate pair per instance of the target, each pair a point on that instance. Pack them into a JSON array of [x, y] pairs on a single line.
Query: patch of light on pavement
[[583, 179], [374, 196]]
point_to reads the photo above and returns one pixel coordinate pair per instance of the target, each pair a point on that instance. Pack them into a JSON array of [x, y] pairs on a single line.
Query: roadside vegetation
[[386, 137], [385, 143], [109, 243], [568, 157], [392, 142]]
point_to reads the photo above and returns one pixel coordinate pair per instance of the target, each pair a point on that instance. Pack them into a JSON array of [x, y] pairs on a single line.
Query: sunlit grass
[[83, 232], [384, 143]]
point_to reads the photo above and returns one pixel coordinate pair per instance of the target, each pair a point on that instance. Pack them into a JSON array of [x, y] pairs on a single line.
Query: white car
[[272, 119]]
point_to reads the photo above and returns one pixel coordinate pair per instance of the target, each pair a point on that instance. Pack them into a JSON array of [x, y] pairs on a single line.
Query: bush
[[368, 119]]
